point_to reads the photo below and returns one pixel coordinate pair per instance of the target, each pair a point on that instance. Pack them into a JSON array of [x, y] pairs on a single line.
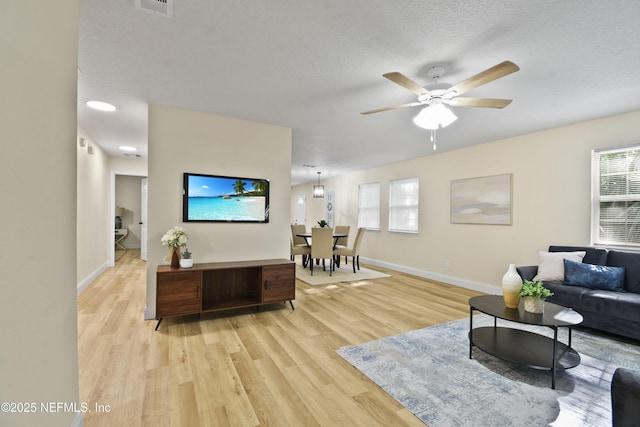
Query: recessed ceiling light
[[101, 105], [127, 148]]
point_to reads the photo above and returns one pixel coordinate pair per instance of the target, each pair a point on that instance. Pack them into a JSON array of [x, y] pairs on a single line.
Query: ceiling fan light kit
[[436, 114]]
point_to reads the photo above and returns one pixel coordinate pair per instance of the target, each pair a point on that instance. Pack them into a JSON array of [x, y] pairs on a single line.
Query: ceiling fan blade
[[406, 82], [478, 102], [411, 104], [503, 69]]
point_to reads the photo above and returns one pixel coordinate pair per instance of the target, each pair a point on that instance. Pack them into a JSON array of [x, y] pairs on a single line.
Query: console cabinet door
[[278, 282], [178, 293]]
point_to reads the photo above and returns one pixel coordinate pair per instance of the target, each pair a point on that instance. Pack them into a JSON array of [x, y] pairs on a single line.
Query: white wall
[[93, 230], [551, 202], [39, 356], [189, 141]]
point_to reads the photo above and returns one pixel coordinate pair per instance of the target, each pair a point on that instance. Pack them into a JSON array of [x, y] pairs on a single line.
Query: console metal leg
[[555, 357], [470, 332], [292, 307], [158, 324]]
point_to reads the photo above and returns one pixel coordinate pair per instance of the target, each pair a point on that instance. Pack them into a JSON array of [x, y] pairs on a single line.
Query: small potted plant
[[534, 294], [186, 261], [322, 223]]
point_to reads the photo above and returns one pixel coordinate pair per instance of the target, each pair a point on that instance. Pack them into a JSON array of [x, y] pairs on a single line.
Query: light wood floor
[[275, 367]]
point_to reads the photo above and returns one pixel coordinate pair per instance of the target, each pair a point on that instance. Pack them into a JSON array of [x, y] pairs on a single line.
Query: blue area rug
[[430, 373]]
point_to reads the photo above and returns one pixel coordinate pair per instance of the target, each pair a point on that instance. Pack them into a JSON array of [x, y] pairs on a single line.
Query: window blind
[[615, 218], [369, 206], [403, 205]]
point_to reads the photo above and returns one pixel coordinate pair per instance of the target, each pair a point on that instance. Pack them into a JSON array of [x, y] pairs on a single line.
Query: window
[[403, 205], [615, 217], [369, 206]]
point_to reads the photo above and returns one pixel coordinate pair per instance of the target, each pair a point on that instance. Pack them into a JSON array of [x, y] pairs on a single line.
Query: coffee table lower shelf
[[523, 347]]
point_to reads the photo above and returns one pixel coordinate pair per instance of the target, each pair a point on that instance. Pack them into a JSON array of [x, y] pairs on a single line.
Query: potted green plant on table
[[186, 261], [322, 223], [534, 294]]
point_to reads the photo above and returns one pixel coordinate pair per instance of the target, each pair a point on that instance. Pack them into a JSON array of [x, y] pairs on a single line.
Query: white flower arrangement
[[175, 238]]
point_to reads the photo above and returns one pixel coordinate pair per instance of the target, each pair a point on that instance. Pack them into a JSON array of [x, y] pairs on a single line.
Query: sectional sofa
[[601, 284]]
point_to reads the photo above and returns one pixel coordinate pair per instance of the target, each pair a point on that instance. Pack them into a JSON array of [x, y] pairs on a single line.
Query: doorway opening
[[128, 216]]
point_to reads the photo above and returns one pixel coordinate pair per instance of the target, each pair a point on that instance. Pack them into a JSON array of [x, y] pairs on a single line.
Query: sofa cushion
[[593, 276], [597, 256], [622, 305], [527, 272], [631, 262], [567, 296], [625, 397], [551, 266]]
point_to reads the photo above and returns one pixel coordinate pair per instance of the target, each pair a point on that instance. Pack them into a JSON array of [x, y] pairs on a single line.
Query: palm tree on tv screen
[[260, 187], [239, 186]]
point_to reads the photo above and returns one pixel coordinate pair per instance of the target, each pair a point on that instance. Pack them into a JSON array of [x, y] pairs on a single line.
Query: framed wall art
[[484, 200]]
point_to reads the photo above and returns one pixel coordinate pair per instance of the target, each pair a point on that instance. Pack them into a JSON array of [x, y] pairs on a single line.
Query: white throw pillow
[[551, 267]]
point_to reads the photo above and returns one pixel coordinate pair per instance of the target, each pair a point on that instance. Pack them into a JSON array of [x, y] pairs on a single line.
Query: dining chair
[[341, 242], [322, 246], [342, 229], [353, 252], [303, 250], [298, 229], [298, 244]]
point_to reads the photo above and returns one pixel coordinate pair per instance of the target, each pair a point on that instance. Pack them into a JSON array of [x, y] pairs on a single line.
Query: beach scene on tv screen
[[226, 199]]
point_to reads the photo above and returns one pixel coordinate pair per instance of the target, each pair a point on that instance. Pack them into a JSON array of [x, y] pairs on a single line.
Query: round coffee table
[[524, 347]]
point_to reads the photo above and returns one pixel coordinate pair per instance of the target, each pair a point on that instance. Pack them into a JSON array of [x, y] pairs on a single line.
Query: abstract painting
[[484, 200]]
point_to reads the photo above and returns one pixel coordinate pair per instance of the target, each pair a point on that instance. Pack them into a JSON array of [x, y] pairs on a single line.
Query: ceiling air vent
[[132, 155], [159, 7]]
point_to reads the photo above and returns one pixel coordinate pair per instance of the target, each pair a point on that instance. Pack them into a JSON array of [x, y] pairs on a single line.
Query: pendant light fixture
[[318, 190]]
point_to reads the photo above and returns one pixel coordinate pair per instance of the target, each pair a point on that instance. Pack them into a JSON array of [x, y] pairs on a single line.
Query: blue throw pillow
[[593, 276]]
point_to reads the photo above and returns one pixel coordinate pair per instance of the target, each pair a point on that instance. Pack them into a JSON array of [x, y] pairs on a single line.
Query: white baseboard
[[469, 284], [149, 313], [90, 278], [78, 421]]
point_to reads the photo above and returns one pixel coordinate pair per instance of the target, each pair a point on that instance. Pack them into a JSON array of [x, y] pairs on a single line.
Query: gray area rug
[[430, 373]]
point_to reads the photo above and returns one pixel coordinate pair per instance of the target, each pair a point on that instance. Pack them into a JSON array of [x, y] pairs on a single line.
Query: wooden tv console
[[222, 286]]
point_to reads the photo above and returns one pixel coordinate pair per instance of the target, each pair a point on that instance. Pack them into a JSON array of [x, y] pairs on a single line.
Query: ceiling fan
[[451, 95]]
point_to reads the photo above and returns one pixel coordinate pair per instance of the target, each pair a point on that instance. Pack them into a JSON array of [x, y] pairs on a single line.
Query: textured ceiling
[[315, 65]]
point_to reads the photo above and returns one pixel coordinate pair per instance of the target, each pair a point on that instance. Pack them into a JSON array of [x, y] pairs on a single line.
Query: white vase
[[511, 286], [186, 263]]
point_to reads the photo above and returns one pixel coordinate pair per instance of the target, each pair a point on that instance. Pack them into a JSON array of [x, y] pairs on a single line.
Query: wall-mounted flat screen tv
[[215, 198]]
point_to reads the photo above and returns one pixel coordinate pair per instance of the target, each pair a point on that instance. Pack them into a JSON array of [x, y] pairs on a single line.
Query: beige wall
[[93, 223], [128, 166], [188, 141], [95, 202], [38, 360], [551, 202]]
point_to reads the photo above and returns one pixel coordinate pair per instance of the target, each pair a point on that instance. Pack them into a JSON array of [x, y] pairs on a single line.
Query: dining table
[[336, 236], [306, 236]]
